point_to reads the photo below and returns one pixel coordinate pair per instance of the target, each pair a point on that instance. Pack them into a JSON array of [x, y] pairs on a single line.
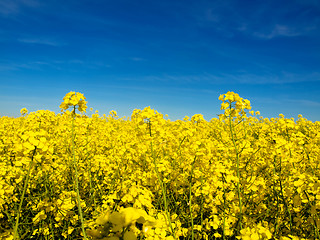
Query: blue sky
[[175, 56]]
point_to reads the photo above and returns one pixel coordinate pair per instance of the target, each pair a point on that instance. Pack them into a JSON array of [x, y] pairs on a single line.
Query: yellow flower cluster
[[255, 233], [238, 176], [73, 99], [110, 225], [234, 105]]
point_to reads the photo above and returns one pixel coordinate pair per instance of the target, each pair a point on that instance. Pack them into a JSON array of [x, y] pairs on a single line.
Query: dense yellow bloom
[[119, 186]]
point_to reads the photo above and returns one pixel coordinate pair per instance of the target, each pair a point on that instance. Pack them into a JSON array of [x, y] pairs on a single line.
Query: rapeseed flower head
[[73, 99], [117, 221], [233, 105], [23, 111]]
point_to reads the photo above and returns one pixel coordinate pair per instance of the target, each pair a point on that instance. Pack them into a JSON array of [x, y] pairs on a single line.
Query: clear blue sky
[[175, 56]]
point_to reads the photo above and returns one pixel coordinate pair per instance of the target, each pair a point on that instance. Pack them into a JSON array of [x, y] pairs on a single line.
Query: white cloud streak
[[11, 7], [282, 78], [262, 20], [282, 31], [49, 42], [304, 102], [245, 78]]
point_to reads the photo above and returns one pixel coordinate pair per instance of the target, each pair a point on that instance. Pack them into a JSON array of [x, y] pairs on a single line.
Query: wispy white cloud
[[242, 78], [8, 7], [34, 65], [183, 79], [42, 41], [74, 65], [8, 67], [281, 78], [150, 88], [12, 7], [304, 102], [261, 20], [281, 31]]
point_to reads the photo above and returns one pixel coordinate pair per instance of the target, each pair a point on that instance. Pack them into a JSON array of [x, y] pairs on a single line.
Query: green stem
[[15, 231], [201, 206], [76, 178], [283, 198], [92, 191], [163, 193], [276, 195], [316, 230], [238, 168], [224, 207], [305, 150], [190, 199], [162, 187]]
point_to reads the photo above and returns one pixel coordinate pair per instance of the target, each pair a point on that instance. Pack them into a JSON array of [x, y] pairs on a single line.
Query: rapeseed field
[[237, 176]]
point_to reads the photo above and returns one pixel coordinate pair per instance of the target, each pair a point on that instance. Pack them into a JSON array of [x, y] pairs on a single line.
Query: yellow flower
[[229, 96], [73, 99], [23, 111], [224, 105]]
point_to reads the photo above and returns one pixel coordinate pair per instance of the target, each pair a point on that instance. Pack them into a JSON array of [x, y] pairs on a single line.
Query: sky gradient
[[175, 56]]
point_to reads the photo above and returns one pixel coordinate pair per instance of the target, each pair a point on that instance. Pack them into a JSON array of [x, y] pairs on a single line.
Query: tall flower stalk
[[15, 230], [73, 100], [162, 184], [234, 107]]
